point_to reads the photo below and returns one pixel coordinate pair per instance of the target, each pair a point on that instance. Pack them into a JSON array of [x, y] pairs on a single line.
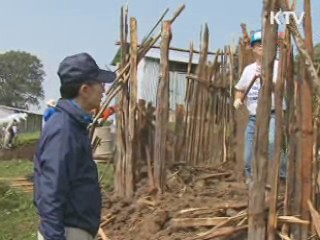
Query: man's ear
[[84, 89]]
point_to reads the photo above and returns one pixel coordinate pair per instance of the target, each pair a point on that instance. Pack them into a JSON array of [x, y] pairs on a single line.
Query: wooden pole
[[256, 218], [201, 72], [291, 135], [279, 88], [176, 49], [306, 127], [162, 110], [131, 131], [187, 125], [119, 181]]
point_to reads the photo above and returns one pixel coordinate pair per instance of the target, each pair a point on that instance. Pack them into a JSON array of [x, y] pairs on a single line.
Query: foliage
[[21, 77], [28, 138], [18, 218], [16, 168]]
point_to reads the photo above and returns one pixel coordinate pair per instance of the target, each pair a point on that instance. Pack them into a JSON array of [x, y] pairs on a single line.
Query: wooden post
[[256, 218], [276, 163], [120, 168], [131, 131], [306, 140], [290, 132], [201, 73], [162, 110]]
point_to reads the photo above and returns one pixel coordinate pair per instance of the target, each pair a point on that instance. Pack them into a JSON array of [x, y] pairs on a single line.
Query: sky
[[55, 29]]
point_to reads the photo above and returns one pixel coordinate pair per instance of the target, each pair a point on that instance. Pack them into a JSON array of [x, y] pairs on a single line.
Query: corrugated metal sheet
[[149, 79], [32, 124], [177, 88]]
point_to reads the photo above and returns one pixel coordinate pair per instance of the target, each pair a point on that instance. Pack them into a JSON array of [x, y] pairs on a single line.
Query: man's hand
[[237, 103]]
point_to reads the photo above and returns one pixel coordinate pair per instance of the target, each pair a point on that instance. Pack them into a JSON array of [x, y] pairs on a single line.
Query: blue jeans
[[249, 145]]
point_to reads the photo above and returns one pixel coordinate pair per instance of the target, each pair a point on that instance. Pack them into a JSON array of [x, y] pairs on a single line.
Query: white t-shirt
[[252, 98]]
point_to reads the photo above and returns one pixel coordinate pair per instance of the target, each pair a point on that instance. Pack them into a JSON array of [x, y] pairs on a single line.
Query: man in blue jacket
[[67, 191]]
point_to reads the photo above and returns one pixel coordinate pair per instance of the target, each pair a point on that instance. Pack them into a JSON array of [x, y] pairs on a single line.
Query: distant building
[[149, 74], [32, 124]]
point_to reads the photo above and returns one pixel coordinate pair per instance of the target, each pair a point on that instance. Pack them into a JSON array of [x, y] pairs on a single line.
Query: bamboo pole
[[162, 110], [256, 220]]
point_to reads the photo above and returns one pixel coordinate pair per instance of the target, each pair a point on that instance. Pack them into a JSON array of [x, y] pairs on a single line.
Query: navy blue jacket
[[67, 191], [48, 113]]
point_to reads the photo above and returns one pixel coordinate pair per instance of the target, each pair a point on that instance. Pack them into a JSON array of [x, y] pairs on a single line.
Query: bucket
[[106, 147]]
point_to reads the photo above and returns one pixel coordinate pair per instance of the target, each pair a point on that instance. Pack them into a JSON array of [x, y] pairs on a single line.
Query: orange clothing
[[107, 113]]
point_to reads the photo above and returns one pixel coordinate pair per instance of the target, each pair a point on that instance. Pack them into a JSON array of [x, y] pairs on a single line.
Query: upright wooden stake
[[201, 72], [306, 139], [162, 110], [290, 132], [131, 131], [272, 224], [120, 167], [257, 223]]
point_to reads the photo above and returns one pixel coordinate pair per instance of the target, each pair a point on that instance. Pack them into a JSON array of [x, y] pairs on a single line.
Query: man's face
[[258, 49], [92, 94]]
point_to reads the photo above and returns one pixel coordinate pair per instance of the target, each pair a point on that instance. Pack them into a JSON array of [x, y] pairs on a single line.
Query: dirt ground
[[22, 152], [150, 217]]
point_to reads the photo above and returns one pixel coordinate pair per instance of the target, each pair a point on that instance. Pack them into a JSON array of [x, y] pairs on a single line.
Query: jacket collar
[[74, 110]]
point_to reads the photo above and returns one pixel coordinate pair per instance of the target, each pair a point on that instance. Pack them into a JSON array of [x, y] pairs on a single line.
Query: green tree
[[21, 77]]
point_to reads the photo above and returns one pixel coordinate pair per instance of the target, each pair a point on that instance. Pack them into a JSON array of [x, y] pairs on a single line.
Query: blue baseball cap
[[80, 68], [256, 37]]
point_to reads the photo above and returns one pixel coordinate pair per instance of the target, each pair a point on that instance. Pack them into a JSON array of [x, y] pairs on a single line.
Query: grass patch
[[16, 168], [28, 138], [18, 218], [107, 173]]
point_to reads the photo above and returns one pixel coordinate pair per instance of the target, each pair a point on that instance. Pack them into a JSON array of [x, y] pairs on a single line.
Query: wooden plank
[[162, 111], [256, 218]]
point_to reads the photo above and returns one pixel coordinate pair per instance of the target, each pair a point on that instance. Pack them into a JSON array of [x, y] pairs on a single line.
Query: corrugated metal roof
[[175, 56], [19, 110]]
